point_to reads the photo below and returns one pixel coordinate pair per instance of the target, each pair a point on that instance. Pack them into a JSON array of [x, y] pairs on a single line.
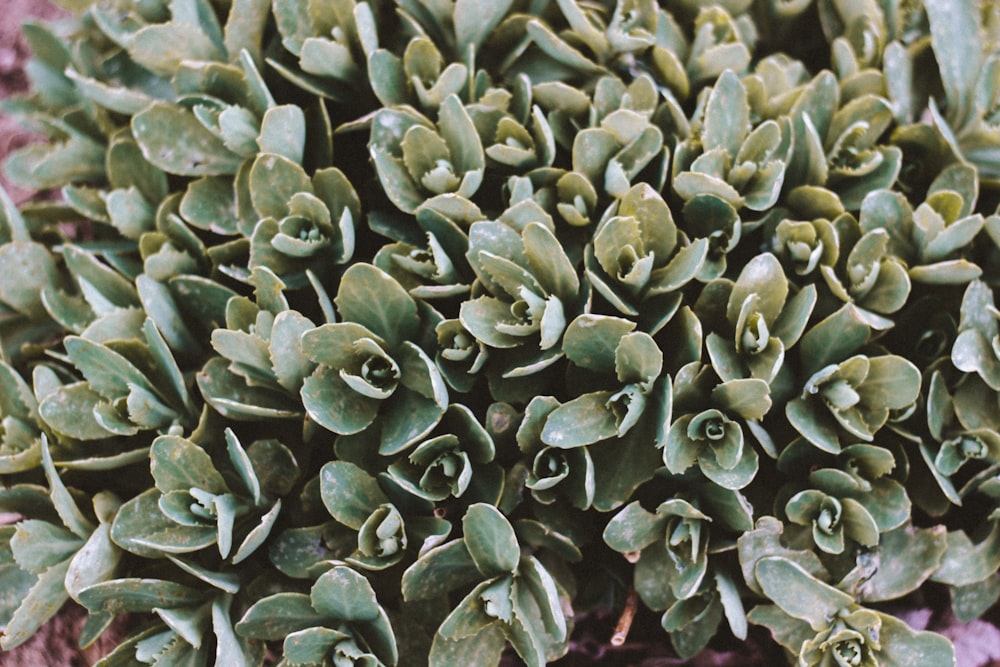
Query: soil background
[[977, 644]]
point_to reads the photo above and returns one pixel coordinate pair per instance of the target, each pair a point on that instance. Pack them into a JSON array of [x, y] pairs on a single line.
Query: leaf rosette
[[805, 245], [852, 399], [532, 289], [417, 160], [621, 427], [129, 386], [368, 365], [554, 471], [356, 500], [420, 78], [54, 552], [444, 465], [262, 366], [460, 355], [962, 101], [672, 546], [862, 472], [331, 47], [867, 273], [428, 271], [305, 223], [710, 431], [721, 39], [934, 238], [833, 520], [192, 505], [836, 159], [612, 152], [731, 159], [638, 258], [824, 626], [757, 318], [962, 419], [339, 621], [715, 443], [514, 598]]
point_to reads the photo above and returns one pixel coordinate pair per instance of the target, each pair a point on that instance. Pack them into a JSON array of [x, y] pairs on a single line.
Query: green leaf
[[966, 562], [691, 623], [633, 529], [231, 396], [135, 595], [582, 421], [258, 535], [490, 539], [621, 465], [727, 116], [94, 562], [764, 277], [41, 603], [749, 398], [833, 339], [349, 494], [35, 270], [108, 372], [311, 646], [276, 616], [549, 263], [140, 520], [38, 545], [172, 139], [161, 306], [409, 418], [209, 204], [814, 423], [442, 569], [907, 557], [12, 224], [227, 581], [178, 464], [475, 20], [274, 180], [638, 359], [372, 298], [732, 605], [957, 40], [902, 645], [63, 502], [14, 581], [483, 648], [788, 631], [798, 593], [970, 602], [469, 617], [345, 595], [283, 132], [332, 404]]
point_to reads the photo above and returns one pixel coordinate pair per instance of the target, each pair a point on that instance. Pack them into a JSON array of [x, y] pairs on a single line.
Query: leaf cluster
[[378, 332]]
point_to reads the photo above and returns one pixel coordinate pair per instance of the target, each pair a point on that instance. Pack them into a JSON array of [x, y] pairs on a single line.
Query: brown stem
[[625, 620]]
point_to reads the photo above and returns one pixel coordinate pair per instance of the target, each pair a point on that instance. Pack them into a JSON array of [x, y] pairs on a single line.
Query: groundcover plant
[[378, 332]]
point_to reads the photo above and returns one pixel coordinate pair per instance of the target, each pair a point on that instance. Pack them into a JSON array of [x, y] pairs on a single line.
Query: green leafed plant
[[394, 332]]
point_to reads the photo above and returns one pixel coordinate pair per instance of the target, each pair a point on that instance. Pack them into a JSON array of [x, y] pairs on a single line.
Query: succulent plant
[[623, 304]]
